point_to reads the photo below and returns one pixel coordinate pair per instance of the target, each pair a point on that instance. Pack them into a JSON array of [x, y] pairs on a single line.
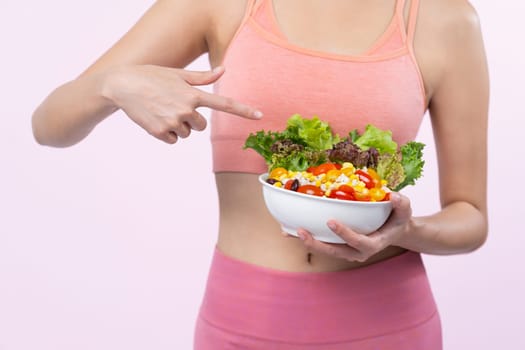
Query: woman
[[350, 62]]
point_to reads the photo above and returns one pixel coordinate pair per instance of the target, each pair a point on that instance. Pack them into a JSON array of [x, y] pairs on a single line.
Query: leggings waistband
[[381, 298]]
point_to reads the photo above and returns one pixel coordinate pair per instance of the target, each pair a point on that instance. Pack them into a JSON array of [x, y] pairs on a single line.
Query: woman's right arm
[[138, 75]]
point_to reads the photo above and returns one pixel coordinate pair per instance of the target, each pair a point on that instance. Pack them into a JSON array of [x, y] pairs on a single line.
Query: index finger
[[228, 105]]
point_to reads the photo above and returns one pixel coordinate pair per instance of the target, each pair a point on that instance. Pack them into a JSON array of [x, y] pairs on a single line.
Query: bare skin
[[145, 78]]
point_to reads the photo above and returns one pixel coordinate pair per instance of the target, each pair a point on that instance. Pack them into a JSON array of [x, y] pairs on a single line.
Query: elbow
[[480, 235], [45, 134], [38, 133], [41, 136], [479, 241]]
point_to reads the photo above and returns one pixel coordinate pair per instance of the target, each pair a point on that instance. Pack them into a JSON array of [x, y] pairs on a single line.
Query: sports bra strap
[[255, 4], [412, 20], [400, 6]]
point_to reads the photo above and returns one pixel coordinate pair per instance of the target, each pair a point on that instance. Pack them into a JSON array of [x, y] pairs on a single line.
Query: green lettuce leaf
[[262, 141], [377, 138], [297, 160], [353, 135], [315, 133], [412, 162]]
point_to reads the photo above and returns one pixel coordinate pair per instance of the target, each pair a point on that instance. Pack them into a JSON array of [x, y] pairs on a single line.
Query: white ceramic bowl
[[295, 210]]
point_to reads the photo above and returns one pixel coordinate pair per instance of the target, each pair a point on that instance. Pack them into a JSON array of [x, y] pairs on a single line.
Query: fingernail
[[258, 114], [332, 225], [217, 69], [301, 235]]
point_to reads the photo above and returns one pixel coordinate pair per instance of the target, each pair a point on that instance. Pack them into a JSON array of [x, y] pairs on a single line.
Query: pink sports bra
[[382, 86]]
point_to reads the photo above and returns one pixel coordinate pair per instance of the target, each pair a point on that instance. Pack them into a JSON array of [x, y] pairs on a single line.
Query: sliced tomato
[[332, 175], [375, 177], [323, 168], [311, 169], [277, 173], [377, 194], [338, 194], [292, 185], [362, 196], [347, 189], [311, 189], [367, 179]]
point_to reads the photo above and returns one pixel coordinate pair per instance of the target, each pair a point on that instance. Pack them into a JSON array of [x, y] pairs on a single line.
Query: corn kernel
[[278, 184]]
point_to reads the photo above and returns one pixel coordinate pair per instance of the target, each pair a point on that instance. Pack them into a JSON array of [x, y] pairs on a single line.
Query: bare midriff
[[248, 232]]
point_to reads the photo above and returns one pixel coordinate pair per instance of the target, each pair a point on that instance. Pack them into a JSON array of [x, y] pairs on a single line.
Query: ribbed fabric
[[387, 306], [383, 86]]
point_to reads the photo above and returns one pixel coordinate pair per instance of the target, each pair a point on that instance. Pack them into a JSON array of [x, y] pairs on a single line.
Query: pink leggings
[[384, 306]]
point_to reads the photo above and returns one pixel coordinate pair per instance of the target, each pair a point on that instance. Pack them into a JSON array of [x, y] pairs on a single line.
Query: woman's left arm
[[459, 112], [459, 115]]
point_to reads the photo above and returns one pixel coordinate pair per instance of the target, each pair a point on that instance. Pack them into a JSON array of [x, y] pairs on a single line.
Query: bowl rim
[[262, 179]]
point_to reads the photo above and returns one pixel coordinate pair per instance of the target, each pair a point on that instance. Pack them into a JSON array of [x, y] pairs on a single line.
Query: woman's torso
[[246, 230]]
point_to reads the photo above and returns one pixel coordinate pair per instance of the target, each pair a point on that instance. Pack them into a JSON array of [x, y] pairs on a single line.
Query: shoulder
[[450, 20], [204, 13], [447, 32], [226, 17]]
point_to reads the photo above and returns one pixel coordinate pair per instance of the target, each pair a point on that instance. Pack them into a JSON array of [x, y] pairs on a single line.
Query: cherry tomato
[[323, 168], [377, 194], [292, 185], [347, 189], [311, 169], [348, 171], [367, 179], [332, 175], [375, 177], [338, 166], [311, 189], [277, 173], [339, 194], [362, 196], [387, 197]]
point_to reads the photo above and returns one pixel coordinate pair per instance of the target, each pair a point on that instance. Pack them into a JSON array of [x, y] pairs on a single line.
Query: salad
[[307, 157]]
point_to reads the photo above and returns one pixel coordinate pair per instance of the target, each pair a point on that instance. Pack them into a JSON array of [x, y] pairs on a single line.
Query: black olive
[[271, 181]]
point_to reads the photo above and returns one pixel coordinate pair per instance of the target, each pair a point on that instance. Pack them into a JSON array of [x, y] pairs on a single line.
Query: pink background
[[106, 245]]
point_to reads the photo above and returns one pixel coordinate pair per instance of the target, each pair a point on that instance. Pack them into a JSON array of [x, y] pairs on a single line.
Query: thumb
[[202, 78]]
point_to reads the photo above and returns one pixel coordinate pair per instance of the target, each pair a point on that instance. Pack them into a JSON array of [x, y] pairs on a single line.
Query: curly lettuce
[[315, 133], [297, 160], [390, 169], [412, 162], [310, 142], [377, 138], [262, 141]]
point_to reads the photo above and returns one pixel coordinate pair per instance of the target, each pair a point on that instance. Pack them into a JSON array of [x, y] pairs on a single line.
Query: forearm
[[458, 228], [71, 111]]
